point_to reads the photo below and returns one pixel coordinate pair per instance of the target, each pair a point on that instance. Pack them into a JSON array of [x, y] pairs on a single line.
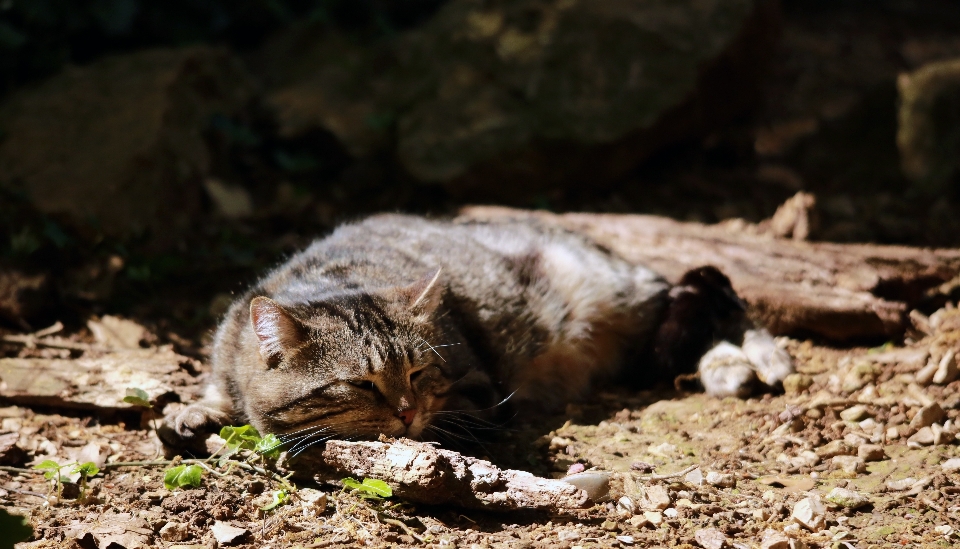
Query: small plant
[[15, 529], [370, 488], [138, 397], [52, 471], [86, 470], [247, 437], [279, 498], [183, 476]]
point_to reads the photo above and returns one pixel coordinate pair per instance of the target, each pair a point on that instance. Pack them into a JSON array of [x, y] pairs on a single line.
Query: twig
[[30, 341], [671, 475], [10, 469], [407, 530]]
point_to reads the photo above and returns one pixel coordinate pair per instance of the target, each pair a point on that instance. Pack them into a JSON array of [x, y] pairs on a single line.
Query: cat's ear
[[424, 295], [277, 330]]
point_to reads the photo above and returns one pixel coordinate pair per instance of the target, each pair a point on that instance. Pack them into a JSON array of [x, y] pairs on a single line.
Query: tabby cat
[[394, 324]]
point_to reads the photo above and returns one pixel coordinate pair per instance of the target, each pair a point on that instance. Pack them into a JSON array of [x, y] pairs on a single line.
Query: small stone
[[314, 502], [594, 483], [721, 480], [902, 484], [796, 383], [927, 416], [610, 526], [944, 530], [626, 506], [559, 443], [835, 448], [10, 452], [576, 468], [854, 413], [626, 540], [952, 465], [947, 369], [847, 498], [924, 376], [657, 497], [174, 531], [772, 539], [859, 376], [638, 521], [810, 513], [227, 534], [642, 466], [871, 452], [762, 515], [654, 517], [671, 513], [694, 477], [848, 464], [568, 535], [711, 538], [933, 435]]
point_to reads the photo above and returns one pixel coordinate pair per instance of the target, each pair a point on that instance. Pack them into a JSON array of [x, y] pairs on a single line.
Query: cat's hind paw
[[725, 370], [771, 363]]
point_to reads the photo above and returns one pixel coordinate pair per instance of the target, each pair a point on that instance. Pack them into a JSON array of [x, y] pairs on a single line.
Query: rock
[[952, 465], [594, 483], [854, 413], [928, 132], [227, 534], [314, 502], [859, 376], [871, 452], [710, 538], [638, 521], [795, 384], [835, 448], [933, 435], [120, 141], [848, 464], [626, 540], [483, 93], [794, 218], [174, 531], [568, 535], [721, 480], [23, 296], [654, 517], [810, 513], [10, 453], [947, 370], [694, 477], [772, 539], [928, 415], [657, 497], [847, 498], [626, 506]]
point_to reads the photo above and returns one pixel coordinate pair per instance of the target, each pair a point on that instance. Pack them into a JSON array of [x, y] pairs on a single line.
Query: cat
[[403, 326]]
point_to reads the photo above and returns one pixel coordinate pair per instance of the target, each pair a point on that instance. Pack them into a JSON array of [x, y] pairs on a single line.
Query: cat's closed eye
[[364, 384]]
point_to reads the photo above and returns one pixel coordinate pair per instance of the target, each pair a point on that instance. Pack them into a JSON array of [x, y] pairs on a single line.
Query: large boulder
[[119, 144], [928, 134], [532, 91]]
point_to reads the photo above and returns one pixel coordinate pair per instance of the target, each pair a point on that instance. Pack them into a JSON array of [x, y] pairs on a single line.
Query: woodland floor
[[776, 450]]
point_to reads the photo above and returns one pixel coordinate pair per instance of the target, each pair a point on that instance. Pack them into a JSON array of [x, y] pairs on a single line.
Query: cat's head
[[352, 366]]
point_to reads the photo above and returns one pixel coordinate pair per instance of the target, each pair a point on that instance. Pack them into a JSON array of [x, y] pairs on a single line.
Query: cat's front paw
[[771, 363], [188, 425]]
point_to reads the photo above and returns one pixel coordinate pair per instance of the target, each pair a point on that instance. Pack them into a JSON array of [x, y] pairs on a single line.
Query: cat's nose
[[407, 415]]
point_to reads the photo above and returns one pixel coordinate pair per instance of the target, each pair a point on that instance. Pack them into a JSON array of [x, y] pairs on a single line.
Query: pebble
[[174, 531], [902, 484], [227, 534], [657, 497], [810, 513], [654, 517], [626, 506], [859, 375], [711, 538], [933, 435], [855, 413], [638, 521], [671, 513], [576, 468], [721, 480], [947, 369], [871, 452], [850, 499], [924, 376], [568, 535], [952, 465], [796, 383], [848, 464], [835, 448], [594, 483], [694, 477], [774, 540], [626, 540], [927, 416]]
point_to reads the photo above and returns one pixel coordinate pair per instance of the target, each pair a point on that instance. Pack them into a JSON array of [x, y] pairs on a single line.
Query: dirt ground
[[858, 452]]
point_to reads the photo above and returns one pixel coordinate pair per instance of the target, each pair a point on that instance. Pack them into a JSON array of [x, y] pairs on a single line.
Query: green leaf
[[240, 438], [182, 476], [15, 529], [279, 498], [87, 469], [137, 397], [51, 467], [377, 487], [269, 446]]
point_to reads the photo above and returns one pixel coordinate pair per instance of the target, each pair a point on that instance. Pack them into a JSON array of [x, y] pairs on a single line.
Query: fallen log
[[836, 291], [422, 473]]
